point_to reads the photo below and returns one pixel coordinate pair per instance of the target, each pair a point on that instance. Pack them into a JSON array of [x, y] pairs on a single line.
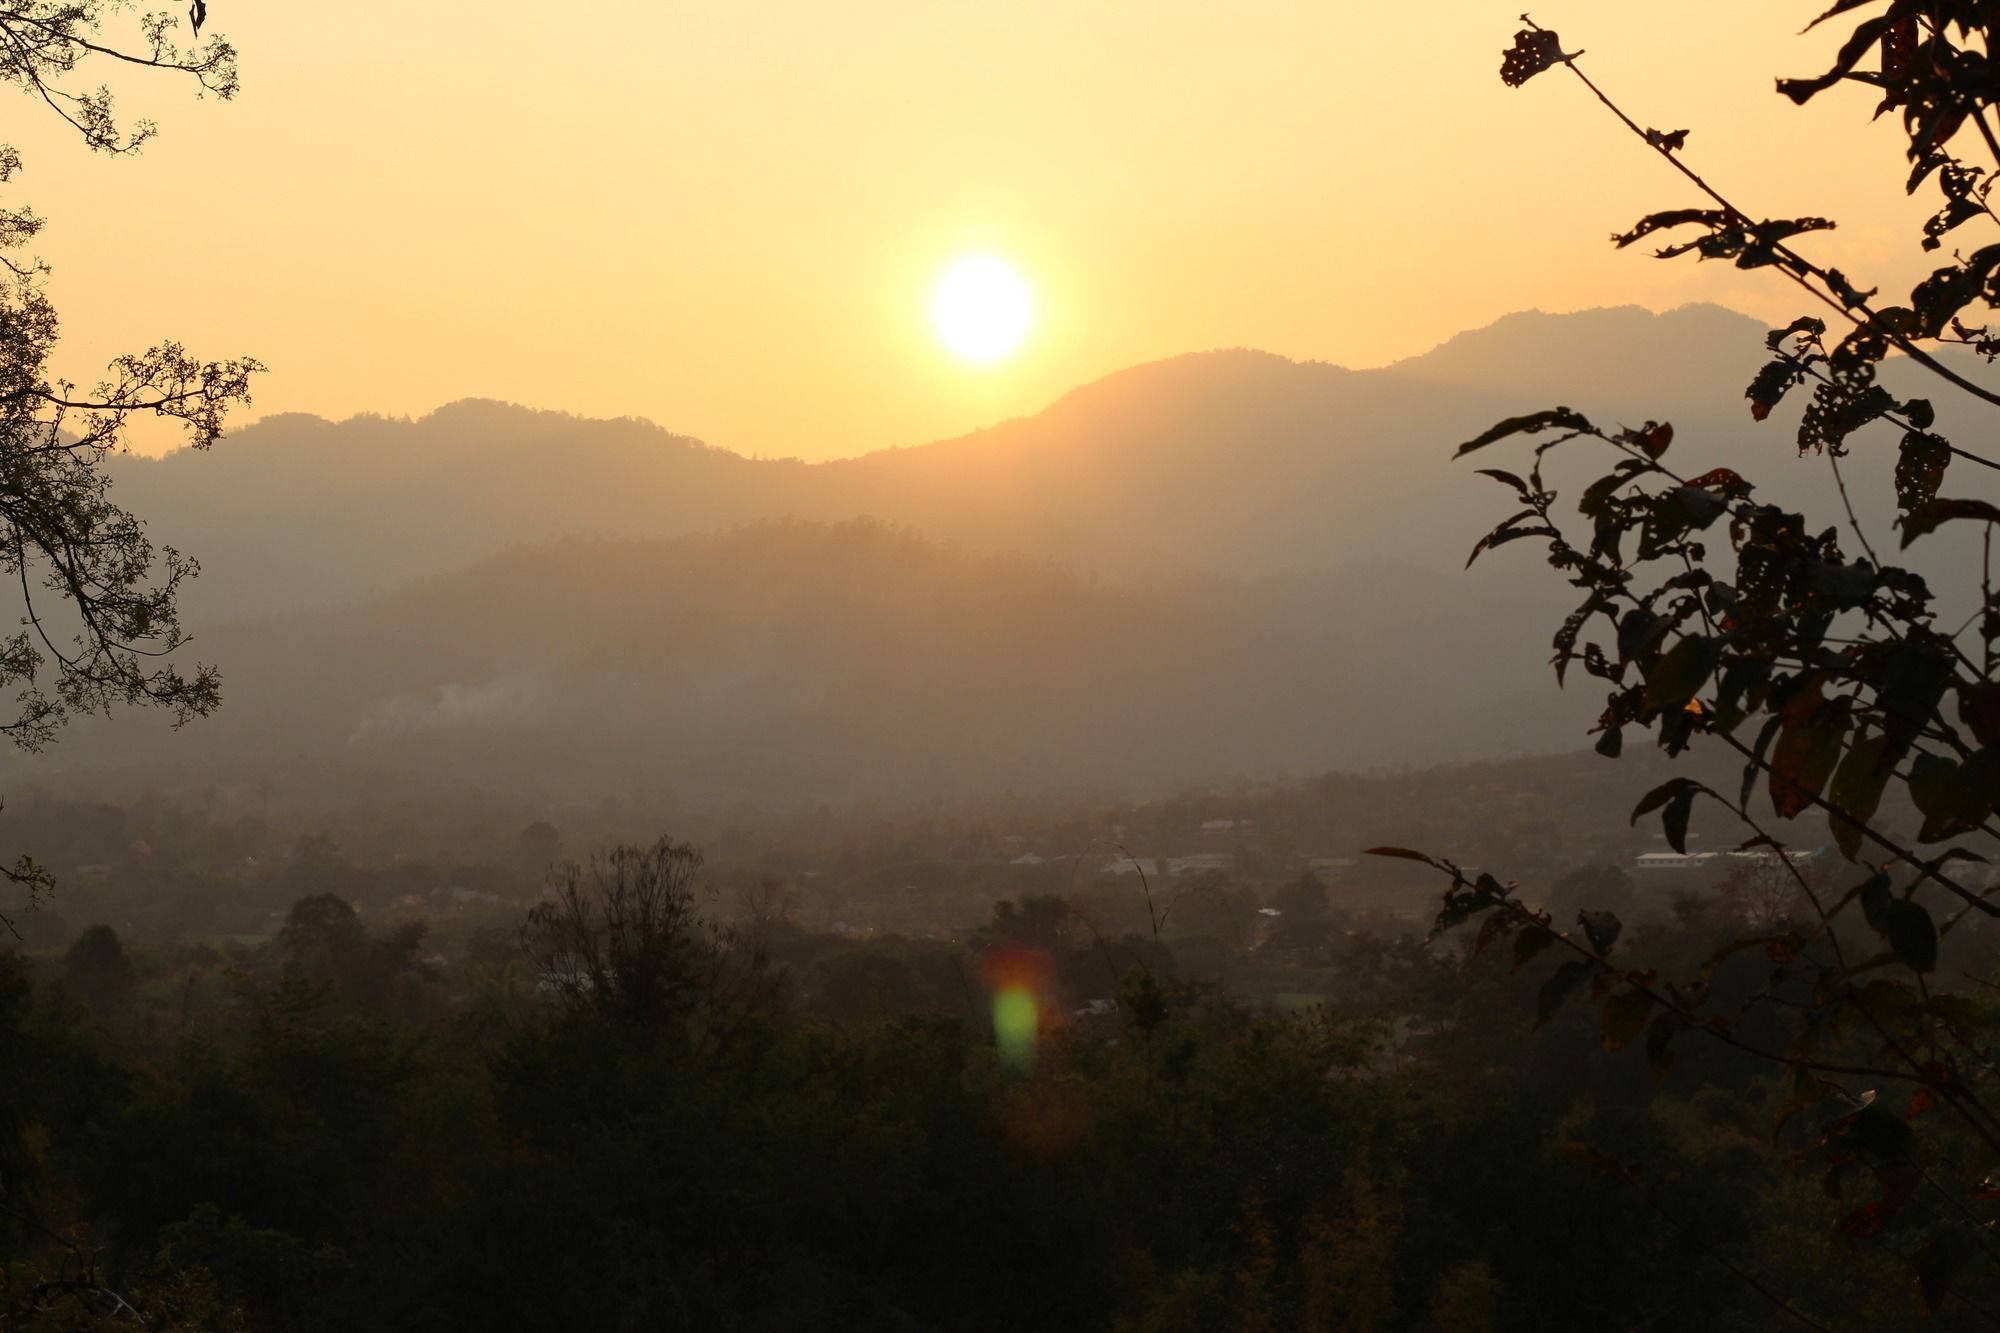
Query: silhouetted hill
[[1227, 462], [1222, 563], [811, 661]]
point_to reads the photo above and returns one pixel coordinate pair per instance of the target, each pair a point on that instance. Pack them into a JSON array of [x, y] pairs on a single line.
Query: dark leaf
[[1672, 217], [1876, 899], [1638, 630], [1680, 672], [1623, 1017], [1534, 50], [1562, 983], [1403, 852], [1864, 36], [1673, 141], [1555, 418], [1494, 928], [1955, 798], [1857, 789], [1772, 383], [1601, 929], [1979, 709], [1530, 942], [1813, 327], [1754, 765], [1840, 7], [1506, 478], [1912, 934], [1783, 229], [1920, 465], [1658, 797], [1701, 506], [1503, 536], [1927, 517]]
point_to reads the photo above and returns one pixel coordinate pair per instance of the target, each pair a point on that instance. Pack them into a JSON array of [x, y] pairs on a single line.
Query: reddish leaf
[[1723, 479], [1496, 926], [1623, 1018], [1808, 748], [1866, 1220]]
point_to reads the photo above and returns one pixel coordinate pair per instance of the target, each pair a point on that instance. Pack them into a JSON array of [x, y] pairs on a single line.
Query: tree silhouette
[[100, 609]]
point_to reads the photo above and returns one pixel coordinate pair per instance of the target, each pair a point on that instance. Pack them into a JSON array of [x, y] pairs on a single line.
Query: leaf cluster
[[1712, 616]]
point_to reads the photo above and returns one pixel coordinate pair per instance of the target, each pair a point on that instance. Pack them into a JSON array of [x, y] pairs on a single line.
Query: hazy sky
[[727, 217]]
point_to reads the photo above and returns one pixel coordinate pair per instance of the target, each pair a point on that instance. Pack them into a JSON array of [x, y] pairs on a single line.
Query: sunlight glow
[[981, 309]]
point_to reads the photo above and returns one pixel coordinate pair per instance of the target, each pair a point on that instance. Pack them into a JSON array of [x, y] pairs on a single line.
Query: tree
[[1040, 921], [1831, 674], [541, 846], [99, 602], [624, 940], [1303, 900], [60, 524], [322, 938], [97, 971]]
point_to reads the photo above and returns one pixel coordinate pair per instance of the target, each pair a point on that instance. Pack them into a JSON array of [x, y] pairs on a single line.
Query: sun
[[981, 309]]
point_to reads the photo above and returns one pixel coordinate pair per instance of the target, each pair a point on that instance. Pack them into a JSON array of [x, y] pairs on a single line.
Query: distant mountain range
[[1222, 563], [1228, 462]]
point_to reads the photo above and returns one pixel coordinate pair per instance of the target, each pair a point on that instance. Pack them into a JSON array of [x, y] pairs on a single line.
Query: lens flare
[[1017, 1017], [1019, 980]]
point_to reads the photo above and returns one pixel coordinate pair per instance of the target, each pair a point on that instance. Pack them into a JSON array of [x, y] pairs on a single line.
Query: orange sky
[[727, 217]]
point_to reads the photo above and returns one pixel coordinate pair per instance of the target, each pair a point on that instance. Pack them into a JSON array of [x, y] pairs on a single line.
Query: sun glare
[[981, 309]]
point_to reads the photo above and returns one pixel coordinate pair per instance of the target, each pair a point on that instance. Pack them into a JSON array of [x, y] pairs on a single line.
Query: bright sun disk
[[980, 308]]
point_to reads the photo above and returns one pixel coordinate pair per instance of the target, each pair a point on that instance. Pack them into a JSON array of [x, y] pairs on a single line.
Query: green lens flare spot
[[1015, 1020]]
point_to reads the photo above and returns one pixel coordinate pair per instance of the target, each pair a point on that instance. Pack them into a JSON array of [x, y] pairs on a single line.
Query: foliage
[[781, 1156], [115, 615], [624, 939], [1831, 674]]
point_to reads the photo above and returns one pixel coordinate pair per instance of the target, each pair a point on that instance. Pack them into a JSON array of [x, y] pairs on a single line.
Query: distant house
[[1028, 859], [1764, 855], [1201, 863], [1131, 865], [1221, 826], [1673, 860]]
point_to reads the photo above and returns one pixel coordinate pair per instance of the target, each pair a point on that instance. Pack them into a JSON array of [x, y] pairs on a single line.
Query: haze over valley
[[1185, 572]]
